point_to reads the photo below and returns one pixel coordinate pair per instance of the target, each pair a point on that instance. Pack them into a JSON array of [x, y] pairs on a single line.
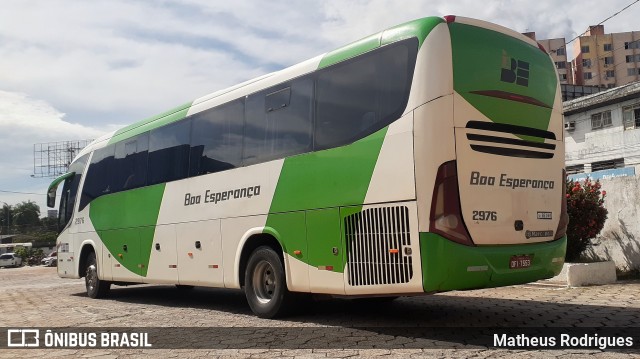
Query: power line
[[603, 21], [39, 194], [600, 23]]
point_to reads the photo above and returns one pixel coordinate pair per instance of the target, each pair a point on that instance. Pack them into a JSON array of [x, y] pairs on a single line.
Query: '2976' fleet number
[[485, 216]]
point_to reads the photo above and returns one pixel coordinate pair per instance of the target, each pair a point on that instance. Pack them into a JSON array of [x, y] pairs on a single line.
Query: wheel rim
[[92, 278], [264, 282]]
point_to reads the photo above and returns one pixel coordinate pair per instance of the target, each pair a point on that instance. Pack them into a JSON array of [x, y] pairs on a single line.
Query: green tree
[[585, 206], [5, 218], [49, 224], [26, 216]]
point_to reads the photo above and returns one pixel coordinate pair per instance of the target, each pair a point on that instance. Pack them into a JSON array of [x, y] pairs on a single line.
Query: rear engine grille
[[378, 246]]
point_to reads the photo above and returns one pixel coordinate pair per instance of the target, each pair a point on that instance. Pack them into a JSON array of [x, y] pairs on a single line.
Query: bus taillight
[[446, 217]]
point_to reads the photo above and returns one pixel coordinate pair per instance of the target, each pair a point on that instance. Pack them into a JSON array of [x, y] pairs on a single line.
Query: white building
[[602, 131], [602, 138]]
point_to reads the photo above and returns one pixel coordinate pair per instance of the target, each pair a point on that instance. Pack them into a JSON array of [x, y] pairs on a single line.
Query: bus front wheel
[[266, 284], [96, 287]]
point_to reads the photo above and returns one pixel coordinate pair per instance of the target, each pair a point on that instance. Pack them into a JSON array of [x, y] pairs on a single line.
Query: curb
[[583, 274]]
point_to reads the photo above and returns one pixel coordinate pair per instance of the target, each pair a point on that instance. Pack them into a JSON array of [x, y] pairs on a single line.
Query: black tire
[[266, 284], [96, 287]]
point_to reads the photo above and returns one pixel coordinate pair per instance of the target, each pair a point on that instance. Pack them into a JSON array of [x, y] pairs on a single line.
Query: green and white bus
[[425, 158]]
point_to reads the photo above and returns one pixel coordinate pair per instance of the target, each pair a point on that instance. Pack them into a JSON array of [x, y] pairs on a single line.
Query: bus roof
[[419, 28]]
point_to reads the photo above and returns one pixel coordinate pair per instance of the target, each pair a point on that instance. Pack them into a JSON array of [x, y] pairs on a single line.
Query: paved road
[[36, 297]]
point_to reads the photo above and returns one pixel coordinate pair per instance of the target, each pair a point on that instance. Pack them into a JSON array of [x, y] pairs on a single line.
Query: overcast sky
[[72, 70]]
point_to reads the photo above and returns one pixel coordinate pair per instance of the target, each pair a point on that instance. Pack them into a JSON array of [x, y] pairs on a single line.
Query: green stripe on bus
[[133, 227], [165, 118], [418, 28], [331, 178]]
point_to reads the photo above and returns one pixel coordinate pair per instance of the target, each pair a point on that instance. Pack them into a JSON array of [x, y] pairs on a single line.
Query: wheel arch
[[254, 238], [86, 247]]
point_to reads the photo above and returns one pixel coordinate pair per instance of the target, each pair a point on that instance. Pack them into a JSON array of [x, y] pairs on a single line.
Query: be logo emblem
[[23, 338], [514, 70]]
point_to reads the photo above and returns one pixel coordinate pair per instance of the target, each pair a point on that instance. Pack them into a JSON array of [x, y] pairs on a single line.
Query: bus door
[[66, 213]]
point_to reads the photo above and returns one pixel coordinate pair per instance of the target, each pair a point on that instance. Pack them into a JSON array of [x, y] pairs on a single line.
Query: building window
[[633, 72], [631, 45], [575, 169], [632, 58], [607, 165], [586, 62], [584, 49], [561, 64], [608, 47], [631, 117], [608, 60], [561, 51], [562, 77], [587, 75], [600, 120], [610, 73]]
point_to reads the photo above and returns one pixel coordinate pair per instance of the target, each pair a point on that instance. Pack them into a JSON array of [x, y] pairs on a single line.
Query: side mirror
[[53, 187], [51, 197]]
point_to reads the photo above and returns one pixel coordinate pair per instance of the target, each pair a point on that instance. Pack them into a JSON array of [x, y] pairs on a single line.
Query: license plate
[[517, 262]]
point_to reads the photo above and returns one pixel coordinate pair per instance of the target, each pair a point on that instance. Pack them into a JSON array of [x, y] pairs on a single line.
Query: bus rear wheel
[[266, 284], [96, 287]]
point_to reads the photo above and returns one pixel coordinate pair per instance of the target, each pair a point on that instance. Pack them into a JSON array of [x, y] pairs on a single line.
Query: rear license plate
[[517, 262]]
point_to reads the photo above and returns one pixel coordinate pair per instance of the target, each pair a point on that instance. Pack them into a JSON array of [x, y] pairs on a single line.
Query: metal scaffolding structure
[[52, 159]]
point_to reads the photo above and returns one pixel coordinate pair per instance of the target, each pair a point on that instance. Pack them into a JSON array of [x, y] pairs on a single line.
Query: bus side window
[[169, 148], [130, 163], [358, 97], [278, 121], [99, 179], [216, 139]]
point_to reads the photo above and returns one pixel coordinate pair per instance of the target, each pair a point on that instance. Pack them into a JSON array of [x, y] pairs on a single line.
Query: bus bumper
[[447, 265]]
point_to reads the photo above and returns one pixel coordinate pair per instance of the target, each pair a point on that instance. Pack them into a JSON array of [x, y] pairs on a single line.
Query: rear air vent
[[499, 145], [513, 129], [378, 246]]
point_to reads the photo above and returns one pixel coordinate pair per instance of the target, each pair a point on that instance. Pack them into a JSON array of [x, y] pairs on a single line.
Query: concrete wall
[[620, 238]]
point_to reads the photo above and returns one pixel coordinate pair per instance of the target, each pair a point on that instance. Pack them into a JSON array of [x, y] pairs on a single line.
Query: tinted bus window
[[130, 163], [169, 152], [278, 122], [99, 179], [216, 139], [70, 192], [358, 97]]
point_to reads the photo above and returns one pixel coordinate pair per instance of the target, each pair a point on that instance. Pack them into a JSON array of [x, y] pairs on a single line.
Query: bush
[[29, 256], [585, 206]]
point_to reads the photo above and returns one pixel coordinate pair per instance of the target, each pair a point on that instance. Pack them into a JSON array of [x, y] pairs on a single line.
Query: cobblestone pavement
[[36, 297]]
